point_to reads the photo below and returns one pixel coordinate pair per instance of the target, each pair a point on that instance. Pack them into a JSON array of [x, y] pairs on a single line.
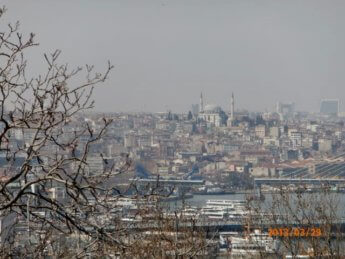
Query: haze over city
[[217, 131], [166, 52]]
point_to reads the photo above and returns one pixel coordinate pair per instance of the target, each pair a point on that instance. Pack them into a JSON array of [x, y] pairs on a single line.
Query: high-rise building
[[285, 110], [329, 107]]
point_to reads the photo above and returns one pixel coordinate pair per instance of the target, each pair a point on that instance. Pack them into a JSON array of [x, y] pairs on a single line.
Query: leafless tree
[[51, 201], [168, 235], [303, 221], [53, 155]]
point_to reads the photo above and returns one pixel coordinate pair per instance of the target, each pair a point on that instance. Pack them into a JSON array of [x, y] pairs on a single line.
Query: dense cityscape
[[206, 154], [227, 149], [84, 176]]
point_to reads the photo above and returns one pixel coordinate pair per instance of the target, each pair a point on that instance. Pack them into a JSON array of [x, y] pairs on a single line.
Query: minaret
[[201, 108], [232, 107]]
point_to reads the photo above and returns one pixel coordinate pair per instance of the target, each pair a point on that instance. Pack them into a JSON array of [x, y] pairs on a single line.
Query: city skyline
[[214, 130]]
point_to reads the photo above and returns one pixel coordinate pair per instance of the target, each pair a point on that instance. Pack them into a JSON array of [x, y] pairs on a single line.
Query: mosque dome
[[212, 108]]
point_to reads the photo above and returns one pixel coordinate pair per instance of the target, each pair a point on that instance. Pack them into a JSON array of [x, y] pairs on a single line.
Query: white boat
[[213, 213], [254, 244], [224, 209], [228, 203], [190, 212], [233, 210]]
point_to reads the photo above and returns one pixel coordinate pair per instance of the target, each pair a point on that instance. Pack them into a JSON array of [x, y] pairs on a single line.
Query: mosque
[[214, 114]]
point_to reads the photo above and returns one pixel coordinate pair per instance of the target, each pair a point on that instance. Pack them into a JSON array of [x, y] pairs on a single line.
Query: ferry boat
[[224, 209], [247, 246], [230, 203], [220, 210]]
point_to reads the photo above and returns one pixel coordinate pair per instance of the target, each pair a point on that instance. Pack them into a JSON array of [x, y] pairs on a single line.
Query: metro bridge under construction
[[329, 172], [297, 181]]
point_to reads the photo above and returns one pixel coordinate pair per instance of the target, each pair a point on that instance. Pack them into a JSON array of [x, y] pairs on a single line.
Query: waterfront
[[200, 200], [281, 245]]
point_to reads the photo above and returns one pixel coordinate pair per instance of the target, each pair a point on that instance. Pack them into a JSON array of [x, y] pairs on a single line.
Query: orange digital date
[[295, 232]]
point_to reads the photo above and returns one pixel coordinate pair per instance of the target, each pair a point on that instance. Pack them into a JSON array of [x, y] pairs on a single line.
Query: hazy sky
[[165, 52]]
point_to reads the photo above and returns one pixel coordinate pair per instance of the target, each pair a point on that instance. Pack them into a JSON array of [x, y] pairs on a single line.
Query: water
[[200, 200], [286, 246]]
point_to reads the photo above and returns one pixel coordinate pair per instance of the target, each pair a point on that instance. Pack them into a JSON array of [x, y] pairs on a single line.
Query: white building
[[260, 131], [296, 138], [213, 114], [325, 145]]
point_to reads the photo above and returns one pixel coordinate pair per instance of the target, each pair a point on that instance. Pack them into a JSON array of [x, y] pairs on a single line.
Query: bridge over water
[[180, 186], [167, 182], [285, 181]]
